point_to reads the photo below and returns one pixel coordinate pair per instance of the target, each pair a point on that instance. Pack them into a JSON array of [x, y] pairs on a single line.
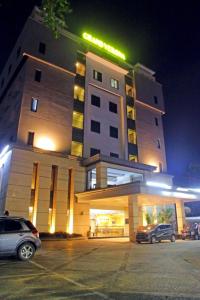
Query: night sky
[[163, 35]]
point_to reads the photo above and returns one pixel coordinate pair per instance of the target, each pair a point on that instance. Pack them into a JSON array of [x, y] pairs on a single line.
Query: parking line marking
[[104, 296]]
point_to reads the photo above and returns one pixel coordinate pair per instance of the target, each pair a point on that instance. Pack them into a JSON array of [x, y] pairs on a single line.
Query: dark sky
[[163, 35]]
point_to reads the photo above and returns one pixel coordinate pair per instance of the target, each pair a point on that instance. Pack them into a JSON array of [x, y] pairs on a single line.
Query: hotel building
[[84, 130]]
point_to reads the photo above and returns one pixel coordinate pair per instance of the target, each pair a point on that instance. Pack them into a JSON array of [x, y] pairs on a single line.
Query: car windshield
[[146, 228]]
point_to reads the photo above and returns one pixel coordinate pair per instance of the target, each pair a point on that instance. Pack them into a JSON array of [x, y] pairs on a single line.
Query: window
[[30, 138], [97, 75], [94, 151], [95, 126], [114, 155], [132, 157], [18, 51], [12, 225], [42, 48], [130, 112], [113, 107], [80, 69], [114, 83], [38, 75], [77, 149], [95, 100], [129, 90], [155, 99], [34, 104], [114, 132], [79, 93], [158, 144], [156, 121], [131, 136], [77, 120]]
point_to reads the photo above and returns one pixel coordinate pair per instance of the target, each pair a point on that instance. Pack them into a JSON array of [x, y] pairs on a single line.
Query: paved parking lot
[[104, 269]]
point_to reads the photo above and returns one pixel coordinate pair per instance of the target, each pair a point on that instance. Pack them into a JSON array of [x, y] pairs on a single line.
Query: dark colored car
[[18, 237], [155, 233]]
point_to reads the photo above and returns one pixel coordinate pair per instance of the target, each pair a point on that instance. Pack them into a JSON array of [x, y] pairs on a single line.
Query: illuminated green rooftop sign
[[104, 46]]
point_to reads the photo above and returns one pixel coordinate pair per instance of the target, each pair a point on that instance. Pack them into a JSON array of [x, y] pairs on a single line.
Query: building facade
[[85, 136]]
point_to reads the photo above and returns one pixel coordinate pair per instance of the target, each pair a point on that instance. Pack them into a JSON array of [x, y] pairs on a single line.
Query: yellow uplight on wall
[[46, 144]]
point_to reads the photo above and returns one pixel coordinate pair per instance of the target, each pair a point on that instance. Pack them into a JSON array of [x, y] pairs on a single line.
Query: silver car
[[18, 237]]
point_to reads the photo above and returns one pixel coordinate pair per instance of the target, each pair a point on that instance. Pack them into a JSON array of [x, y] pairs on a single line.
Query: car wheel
[[153, 240], [173, 238], [26, 251]]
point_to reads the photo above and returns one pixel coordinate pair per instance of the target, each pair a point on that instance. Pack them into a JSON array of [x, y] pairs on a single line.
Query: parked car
[[18, 237], [155, 233]]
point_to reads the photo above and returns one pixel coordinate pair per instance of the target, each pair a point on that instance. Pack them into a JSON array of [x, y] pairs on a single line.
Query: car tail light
[[35, 232]]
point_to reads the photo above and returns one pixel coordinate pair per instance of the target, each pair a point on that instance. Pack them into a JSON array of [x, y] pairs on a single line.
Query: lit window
[[77, 120], [129, 90], [114, 83], [38, 75], [130, 112], [30, 139], [77, 149], [79, 93], [34, 104], [113, 107], [132, 157], [131, 136], [80, 69], [42, 48], [97, 75]]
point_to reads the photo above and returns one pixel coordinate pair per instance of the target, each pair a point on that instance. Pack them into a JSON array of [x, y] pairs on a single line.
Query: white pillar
[[101, 176], [180, 215], [133, 216]]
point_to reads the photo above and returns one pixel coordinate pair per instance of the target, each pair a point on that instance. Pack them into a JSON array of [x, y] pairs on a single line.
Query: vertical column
[[43, 198], [62, 200], [180, 214], [101, 176], [70, 223], [126, 226], [133, 216]]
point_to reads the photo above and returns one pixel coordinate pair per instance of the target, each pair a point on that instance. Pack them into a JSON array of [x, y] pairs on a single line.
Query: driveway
[[104, 269]]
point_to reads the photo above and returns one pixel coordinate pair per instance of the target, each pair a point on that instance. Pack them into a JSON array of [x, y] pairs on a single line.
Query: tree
[[54, 13], [150, 219], [165, 215]]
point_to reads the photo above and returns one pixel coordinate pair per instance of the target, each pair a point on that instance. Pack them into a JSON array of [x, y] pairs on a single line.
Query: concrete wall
[[61, 52], [107, 94], [148, 135], [19, 187], [53, 118], [10, 106], [4, 179], [147, 110]]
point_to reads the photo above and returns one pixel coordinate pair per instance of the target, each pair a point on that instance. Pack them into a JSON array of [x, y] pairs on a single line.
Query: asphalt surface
[[104, 269]]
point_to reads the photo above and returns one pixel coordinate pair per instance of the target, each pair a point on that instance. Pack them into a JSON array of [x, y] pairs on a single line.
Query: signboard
[[93, 40]]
